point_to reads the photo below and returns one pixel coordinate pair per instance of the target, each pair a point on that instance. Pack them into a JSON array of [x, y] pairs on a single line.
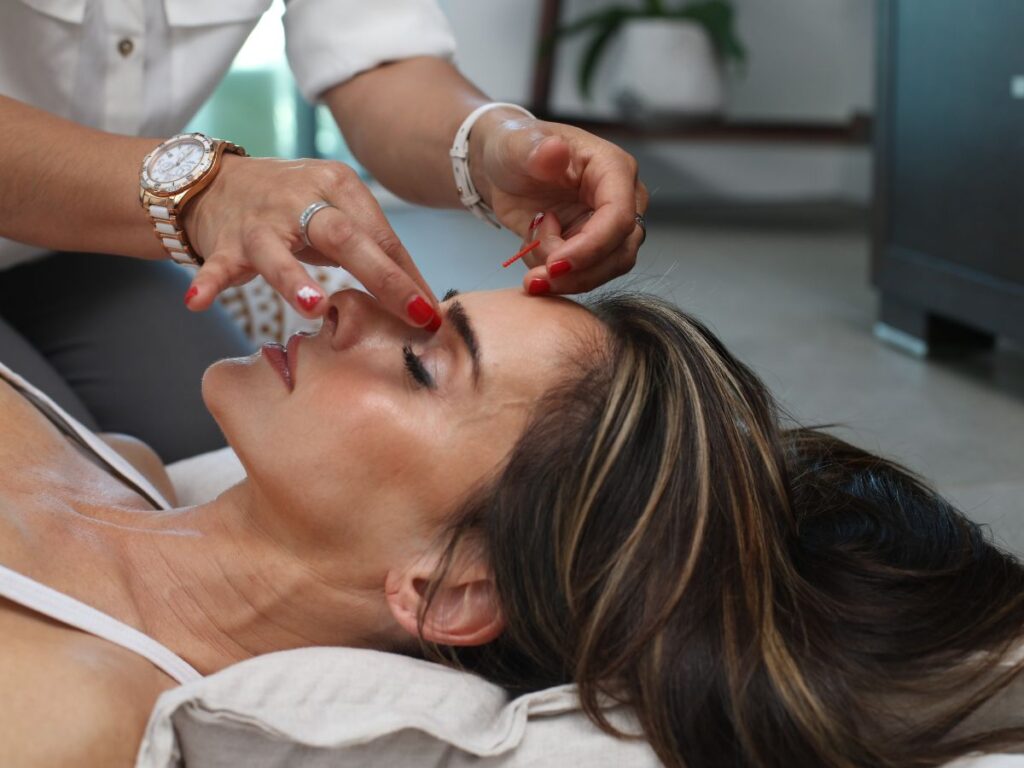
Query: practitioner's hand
[[523, 167], [247, 223]]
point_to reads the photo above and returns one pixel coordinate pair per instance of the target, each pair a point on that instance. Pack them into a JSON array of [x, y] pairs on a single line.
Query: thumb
[[548, 161]]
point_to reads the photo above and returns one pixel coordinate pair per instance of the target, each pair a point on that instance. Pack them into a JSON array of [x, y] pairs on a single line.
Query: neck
[[212, 585]]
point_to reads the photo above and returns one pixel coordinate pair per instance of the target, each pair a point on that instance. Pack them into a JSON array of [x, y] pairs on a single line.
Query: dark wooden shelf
[[855, 132]]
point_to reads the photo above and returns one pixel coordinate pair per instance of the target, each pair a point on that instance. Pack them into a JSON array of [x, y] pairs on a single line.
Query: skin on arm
[[71, 188], [399, 119]]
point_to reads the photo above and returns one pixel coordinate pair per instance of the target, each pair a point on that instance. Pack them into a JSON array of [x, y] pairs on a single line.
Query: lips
[[277, 356], [284, 358]]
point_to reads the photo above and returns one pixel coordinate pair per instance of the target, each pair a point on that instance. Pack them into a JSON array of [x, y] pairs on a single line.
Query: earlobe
[[464, 611]]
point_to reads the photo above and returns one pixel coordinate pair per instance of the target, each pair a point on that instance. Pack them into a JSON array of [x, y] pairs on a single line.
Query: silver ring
[[304, 218], [642, 223]]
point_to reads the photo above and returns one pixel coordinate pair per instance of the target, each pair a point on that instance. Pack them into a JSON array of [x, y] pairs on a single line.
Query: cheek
[[356, 442], [471, 446]]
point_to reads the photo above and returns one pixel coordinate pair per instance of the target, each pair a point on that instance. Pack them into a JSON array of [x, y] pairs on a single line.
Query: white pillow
[[353, 708], [202, 478], [343, 707]]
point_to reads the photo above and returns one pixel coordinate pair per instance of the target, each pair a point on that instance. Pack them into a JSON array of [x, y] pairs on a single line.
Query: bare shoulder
[[69, 698]]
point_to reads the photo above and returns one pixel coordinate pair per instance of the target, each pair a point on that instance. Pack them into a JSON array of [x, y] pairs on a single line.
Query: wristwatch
[[173, 174]]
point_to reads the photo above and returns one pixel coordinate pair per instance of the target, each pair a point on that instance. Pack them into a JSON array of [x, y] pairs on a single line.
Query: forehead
[[536, 332]]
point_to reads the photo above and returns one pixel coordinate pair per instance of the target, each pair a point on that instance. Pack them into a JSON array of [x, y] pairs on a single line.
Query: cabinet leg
[[926, 334]]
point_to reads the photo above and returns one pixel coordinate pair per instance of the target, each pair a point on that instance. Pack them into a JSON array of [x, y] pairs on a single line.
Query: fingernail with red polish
[[434, 324], [536, 221], [308, 297], [191, 294], [421, 313], [559, 268], [539, 286]]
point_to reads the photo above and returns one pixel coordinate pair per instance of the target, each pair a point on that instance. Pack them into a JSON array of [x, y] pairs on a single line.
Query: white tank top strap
[[64, 608], [86, 438]]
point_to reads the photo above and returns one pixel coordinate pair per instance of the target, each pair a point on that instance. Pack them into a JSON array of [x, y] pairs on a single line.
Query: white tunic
[[143, 67]]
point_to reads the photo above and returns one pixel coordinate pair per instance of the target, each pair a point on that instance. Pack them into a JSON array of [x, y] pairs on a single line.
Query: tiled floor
[[794, 302]]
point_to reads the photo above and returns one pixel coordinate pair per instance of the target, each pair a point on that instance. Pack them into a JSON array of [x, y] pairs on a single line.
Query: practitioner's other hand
[[247, 223], [525, 167]]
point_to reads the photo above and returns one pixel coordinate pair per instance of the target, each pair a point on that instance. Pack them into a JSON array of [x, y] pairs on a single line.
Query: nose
[[359, 319]]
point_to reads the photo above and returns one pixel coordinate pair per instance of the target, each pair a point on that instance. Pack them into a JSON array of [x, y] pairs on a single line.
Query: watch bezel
[[177, 185]]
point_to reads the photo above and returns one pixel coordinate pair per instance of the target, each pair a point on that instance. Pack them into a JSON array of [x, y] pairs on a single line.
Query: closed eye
[[414, 365]]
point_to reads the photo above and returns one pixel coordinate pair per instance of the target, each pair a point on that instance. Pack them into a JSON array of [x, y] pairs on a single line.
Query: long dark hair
[[759, 596]]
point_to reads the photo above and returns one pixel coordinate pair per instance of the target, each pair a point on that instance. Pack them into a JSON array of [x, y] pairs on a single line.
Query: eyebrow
[[457, 316]]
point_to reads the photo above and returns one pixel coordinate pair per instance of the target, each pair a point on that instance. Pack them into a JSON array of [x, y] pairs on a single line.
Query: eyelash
[[414, 365]]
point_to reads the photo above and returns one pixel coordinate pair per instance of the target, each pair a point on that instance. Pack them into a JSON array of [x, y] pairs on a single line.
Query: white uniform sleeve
[[329, 41]]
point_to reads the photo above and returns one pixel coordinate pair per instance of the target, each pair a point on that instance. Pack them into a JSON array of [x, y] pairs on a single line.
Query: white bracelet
[[460, 164]]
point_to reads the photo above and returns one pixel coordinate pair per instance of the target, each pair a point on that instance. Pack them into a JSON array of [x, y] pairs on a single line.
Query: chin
[[229, 389]]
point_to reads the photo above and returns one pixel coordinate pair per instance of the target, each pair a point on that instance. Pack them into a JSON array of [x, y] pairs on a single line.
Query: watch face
[[177, 163]]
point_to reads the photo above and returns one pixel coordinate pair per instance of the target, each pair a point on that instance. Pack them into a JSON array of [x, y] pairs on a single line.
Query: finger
[[548, 160], [388, 241], [219, 272], [349, 193], [539, 281], [601, 234], [334, 234], [314, 258], [270, 256], [531, 154], [643, 197], [547, 229], [613, 220]]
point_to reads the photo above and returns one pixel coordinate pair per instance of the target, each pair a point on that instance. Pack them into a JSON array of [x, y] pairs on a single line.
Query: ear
[[464, 611]]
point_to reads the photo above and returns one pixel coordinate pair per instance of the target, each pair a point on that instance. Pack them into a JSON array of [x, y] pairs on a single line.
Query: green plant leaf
[[717, 18], [597, 19], [592, 55]]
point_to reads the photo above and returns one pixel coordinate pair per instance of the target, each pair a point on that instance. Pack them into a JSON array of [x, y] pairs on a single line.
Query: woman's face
[[383, 429]]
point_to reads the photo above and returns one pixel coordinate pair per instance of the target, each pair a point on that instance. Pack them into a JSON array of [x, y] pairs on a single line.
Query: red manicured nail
[[434, 324], [308, 297], [539, 286], [536, 221], [191, 294], [559, 268], [421, 313]]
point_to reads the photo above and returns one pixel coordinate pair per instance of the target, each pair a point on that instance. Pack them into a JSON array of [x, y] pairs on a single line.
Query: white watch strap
[[460, 163], [172, 236]]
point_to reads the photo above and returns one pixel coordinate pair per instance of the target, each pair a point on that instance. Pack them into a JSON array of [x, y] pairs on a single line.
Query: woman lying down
[[541, 493]]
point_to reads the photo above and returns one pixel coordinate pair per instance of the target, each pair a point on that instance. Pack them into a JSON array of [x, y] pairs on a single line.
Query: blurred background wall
[[745, 233], [810, 60]]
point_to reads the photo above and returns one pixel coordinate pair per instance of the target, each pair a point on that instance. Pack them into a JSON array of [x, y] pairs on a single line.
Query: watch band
[[165, 211], [459, 154], [164, 216]]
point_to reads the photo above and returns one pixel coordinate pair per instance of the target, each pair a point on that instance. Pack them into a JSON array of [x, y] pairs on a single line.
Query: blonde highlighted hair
[[759, 596]]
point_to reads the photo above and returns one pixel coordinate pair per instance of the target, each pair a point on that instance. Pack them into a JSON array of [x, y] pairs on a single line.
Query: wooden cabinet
[[948, 251]]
